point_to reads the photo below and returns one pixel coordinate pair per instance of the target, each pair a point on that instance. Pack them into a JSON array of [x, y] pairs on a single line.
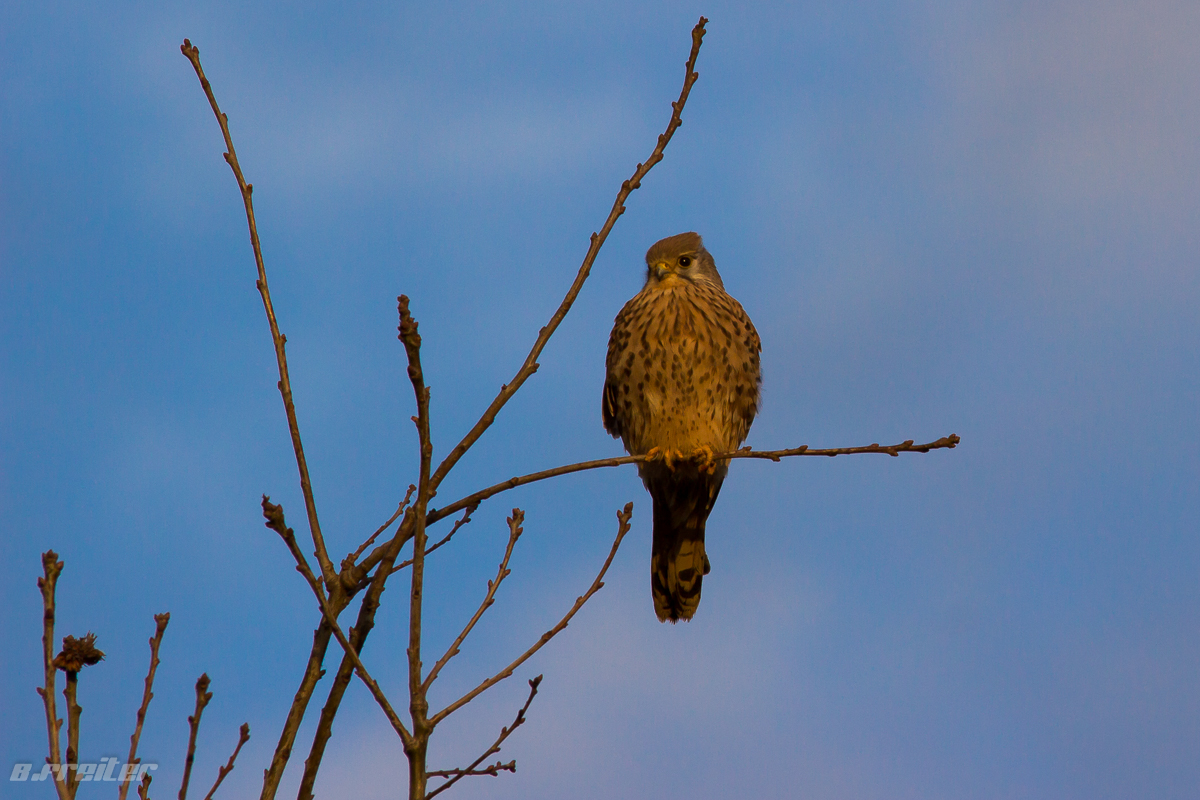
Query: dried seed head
[[78, 653]]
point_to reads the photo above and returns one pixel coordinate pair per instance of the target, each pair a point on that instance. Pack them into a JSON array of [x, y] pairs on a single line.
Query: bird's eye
[[684, 261]]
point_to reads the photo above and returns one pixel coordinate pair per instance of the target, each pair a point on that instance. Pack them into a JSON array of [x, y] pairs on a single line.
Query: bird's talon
[[664, 454], [704, 455]]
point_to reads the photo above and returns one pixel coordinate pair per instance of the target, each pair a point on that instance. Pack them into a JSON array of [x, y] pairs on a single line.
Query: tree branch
[[418, 705], [202, 698], [463, 520], [243, 737], [530, 365], [276, 522], [473, 500], [348, 562], [494, 769], [52, 568], [358, 637], [291, 726], [160, 627], [285, 384], [76, 654], [514, 533], [907, 446], [623, 518]]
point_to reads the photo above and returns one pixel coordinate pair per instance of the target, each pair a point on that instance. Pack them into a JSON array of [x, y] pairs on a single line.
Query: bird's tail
[[678, 562]]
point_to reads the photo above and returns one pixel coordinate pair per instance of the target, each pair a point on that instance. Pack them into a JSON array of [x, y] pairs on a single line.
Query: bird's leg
[[704, 455]]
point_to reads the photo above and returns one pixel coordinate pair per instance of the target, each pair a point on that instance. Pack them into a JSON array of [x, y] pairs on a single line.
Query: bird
[[682, 383]]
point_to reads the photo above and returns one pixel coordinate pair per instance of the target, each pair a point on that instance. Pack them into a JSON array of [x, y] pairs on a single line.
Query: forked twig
[[243, 737], [623, 518], [353, 557], [493, 770], [514, 533], [202, 698], [463, 520], [160, 627]]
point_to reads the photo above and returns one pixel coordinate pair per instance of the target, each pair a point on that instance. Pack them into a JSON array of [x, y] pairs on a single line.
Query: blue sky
[[942, 218]]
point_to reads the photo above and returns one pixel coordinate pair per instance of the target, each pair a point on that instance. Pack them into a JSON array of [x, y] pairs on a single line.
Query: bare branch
[[144, 787], [202, 698], [494, 769], [418, 705], [623, 518], [907, 446], [276, 522], [160, 627], [243, 737], [530, 365], [76, 654], [491, 769], [52, 568], [514, 533], [463, 520], [285, 384], [357, 638], [291, 726], [473, 500], [348, 562]]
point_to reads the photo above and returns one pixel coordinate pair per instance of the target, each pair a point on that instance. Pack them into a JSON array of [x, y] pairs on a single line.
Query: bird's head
[[681, 257]]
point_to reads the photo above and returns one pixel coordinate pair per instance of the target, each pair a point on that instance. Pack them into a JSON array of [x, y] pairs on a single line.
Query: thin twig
[[473, 500], [514, 533], [52, 568], [144, 787], [279, 340], [530, 365], [243, 737], [160, 627], [623, 518], [202, 698], [353, 557], [494, 769], [463, 520], [276, 522], [491, 769], [907, 446]]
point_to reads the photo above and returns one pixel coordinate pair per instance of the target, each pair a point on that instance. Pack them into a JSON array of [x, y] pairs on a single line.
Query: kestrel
[[682, 383]]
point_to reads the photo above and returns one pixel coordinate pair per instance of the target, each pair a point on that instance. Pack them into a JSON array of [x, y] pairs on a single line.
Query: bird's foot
[[665, 455], [704, 457]]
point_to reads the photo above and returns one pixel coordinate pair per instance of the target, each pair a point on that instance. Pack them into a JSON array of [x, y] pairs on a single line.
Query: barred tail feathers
[[678, 562]]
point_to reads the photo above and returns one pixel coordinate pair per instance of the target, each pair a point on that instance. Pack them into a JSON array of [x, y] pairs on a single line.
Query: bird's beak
[[660, 269]]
